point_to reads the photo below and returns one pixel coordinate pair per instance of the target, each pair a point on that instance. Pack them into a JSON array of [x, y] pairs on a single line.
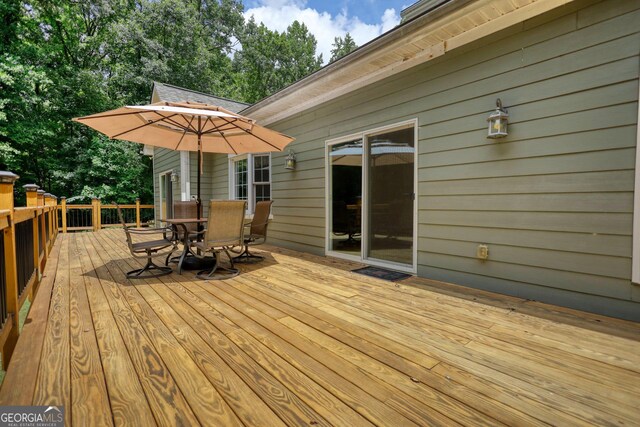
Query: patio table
[[196, 262]]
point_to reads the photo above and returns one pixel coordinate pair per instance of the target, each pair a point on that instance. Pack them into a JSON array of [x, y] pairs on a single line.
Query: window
[[250, 178], [240, 185], [261, 178]]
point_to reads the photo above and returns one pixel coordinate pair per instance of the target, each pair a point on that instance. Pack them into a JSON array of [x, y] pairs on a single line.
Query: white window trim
[[185, 176], [160, 192], [635, 257], [250, 183]]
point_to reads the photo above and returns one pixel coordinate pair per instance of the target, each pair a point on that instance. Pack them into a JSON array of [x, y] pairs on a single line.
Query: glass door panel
[[390, 191], [345, 218]]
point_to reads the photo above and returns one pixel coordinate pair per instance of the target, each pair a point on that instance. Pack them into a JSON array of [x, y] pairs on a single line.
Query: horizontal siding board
[[300, 212], [220, 176], [588, 243], [568, 163], [294, 184], [598, 140], [604, 10], [573, 202], [292, 240], [284, 202], [569, 281], [314, 193], [534, 184], [581, 301], [306, 246], [279, 229], [568, 85], [297, 220], [576, 222], [569, 124], [609, 266], [579, 121]]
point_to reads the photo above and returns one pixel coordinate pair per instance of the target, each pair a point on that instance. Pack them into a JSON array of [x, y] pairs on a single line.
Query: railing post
[[94, 204], [96, 210], [32, 202], [7, 180], [99, 214], [32, 195], [41, 231], [47, 218], [40, 197], [64, 214], [138, 222], [55, 215]]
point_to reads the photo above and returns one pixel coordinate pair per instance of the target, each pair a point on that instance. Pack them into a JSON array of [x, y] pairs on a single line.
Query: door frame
[[161, 193], [363, 135]]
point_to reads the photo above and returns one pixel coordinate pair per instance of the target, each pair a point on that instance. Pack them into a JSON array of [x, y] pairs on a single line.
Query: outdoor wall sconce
[[290, 161], [498, 121], [175, 177]]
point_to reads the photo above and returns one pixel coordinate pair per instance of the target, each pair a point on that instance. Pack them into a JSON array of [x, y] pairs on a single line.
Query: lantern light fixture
[[498, 121], [175, 177], [290, 161]]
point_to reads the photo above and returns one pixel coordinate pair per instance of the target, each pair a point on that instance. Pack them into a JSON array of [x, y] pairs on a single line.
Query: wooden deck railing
[[27, 235], [97, 216]]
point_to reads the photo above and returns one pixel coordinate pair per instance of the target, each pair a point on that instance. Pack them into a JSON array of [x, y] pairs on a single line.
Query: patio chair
[[183, 210], [148, 249], [257, 232], [225, 229], [345, 223]]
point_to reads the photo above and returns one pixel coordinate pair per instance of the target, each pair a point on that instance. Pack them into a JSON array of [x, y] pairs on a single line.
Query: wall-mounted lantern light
[[175, 177], [498, 121], [290, 161]]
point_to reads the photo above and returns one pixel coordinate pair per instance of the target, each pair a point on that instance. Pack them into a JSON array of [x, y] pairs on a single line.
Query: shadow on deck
[[300, 340]]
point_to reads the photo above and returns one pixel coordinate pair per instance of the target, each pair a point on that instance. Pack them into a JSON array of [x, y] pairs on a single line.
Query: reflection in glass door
[[345, 187], [390, 196]]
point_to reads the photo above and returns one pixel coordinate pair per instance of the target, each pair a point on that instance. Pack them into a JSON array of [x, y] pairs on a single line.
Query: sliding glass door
[[345, 189], [390, 194], [370, 197]]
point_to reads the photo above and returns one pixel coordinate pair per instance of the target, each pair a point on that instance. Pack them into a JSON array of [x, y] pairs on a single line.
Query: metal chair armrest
[[150, 230]]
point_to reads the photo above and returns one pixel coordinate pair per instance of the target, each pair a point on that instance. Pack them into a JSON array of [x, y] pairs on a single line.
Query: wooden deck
[[299, 340]]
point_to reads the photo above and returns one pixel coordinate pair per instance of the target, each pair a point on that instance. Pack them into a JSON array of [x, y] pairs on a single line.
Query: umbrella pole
[[198, 199]]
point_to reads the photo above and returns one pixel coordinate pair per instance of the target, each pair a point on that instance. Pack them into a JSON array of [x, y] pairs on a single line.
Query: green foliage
[[270, 60], [116, 172], [342, 46], [64, 59]]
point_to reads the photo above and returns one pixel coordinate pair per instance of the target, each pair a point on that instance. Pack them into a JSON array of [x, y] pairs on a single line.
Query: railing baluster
[[3, 283]]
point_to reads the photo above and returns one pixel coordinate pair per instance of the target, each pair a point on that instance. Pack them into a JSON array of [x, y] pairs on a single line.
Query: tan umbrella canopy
[[187, 126]]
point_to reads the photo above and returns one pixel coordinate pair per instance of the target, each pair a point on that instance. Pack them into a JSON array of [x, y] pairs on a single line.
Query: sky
[[327, 19]]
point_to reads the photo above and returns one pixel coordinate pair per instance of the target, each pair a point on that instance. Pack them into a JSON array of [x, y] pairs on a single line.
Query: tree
[[64, 59], [269, 60], [342, 46]]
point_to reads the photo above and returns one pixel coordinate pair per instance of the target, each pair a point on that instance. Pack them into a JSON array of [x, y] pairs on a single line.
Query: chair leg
[[142, 273], [246, 256], [218, 272]]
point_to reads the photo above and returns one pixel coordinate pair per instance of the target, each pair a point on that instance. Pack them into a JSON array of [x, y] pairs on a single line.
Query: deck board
[[300, 340]]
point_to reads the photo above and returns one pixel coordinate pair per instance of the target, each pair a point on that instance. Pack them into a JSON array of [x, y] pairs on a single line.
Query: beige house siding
[[553, 201]]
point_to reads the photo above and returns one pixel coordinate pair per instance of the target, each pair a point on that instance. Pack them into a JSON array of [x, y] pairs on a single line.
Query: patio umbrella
[[187, 126]]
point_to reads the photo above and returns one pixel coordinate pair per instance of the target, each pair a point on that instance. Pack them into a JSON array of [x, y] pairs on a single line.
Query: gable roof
[[439, 27], [166, 92]]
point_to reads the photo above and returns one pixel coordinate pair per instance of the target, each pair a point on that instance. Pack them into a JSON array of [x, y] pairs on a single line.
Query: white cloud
[[279, 14]]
